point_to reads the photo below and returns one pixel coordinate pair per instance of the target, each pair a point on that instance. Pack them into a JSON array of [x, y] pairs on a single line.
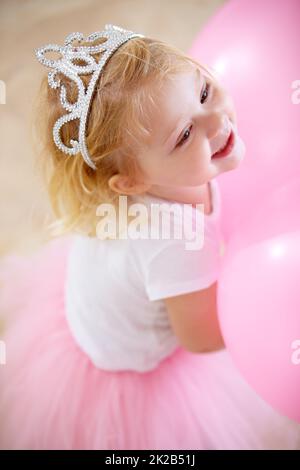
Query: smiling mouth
[[226, 149]]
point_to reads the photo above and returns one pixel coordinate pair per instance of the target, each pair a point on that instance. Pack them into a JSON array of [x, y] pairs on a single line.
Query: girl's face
[[193, 120]]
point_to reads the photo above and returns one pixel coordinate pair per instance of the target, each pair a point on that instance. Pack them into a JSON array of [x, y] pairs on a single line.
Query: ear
[[125, 185]]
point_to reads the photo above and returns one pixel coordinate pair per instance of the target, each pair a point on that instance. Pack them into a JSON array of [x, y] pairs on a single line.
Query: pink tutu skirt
[[53, 397]]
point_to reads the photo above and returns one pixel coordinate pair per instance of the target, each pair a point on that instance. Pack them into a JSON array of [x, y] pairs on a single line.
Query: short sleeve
[[175, 270]]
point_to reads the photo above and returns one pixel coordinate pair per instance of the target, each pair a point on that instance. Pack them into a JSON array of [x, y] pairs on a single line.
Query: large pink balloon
[[259, 310], [278, 213], [254, 46]]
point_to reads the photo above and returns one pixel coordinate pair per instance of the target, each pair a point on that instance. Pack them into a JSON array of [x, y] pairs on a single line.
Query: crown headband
[[115, 36]]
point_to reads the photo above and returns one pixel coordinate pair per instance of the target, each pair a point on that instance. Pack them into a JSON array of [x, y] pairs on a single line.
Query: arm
[[194, 319]]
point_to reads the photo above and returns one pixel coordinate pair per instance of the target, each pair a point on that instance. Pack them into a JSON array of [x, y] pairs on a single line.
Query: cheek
[[148, 166], [195, 165], [201, 159], [157, 171], [199, 167]]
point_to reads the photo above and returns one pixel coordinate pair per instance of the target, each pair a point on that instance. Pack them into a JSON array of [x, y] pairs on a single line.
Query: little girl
[[112, 339]]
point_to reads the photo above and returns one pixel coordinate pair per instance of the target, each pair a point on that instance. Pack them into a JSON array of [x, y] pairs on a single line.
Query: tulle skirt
[[53, 397]]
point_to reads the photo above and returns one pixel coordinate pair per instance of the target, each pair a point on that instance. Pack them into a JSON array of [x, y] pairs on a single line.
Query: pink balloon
[[278, 213], [259, 310], [253, 46]]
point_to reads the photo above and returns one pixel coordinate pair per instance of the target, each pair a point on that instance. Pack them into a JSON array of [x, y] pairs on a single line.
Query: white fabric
[[114, 291]]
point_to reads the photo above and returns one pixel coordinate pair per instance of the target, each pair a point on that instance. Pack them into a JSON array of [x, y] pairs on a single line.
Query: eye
[[205, 93], [186, 133], [204, 96]]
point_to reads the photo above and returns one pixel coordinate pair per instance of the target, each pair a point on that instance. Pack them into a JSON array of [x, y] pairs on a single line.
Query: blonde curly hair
[[116, 130]]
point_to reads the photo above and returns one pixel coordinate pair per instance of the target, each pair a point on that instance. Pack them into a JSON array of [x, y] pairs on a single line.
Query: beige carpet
[[26, 24]]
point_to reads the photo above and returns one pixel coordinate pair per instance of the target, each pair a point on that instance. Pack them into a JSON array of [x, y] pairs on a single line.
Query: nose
[[215, 122]]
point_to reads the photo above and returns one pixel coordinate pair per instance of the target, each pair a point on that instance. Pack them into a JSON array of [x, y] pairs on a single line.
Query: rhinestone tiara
[[116, 36]]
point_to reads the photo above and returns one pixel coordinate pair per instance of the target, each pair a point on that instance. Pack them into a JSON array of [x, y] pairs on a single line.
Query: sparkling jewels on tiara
[[115, 37]]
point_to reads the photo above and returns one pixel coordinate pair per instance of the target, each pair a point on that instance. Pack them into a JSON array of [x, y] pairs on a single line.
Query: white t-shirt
[[114, 290]]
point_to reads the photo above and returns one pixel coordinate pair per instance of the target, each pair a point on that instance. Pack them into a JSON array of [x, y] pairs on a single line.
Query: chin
[[241, 150], [231, 163], [235, 161]]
